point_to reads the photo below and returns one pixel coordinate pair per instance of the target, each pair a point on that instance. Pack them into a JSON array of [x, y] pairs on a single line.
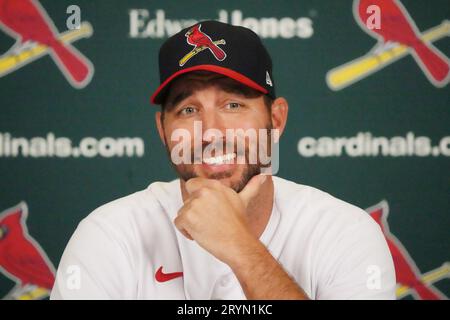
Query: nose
[[212, 123]]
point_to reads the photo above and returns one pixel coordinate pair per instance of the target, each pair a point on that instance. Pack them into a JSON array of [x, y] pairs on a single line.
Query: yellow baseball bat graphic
[[347, 74], [35, 294], [196, 50], [10, 61], [428, 278]]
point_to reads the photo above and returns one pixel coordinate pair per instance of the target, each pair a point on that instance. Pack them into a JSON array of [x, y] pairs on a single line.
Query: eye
[[233, 105], [3, 232], [187, 111]]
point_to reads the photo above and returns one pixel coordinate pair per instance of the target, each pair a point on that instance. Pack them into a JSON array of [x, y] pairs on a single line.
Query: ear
[[159, 126], [280, 109]]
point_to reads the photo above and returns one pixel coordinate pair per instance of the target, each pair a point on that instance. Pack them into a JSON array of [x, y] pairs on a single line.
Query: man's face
[[201, 99]]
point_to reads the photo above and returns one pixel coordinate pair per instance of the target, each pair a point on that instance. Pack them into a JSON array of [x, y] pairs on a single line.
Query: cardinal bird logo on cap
[[409, 279], [22, 259], [201, 41], [398, 36], [36, 36]]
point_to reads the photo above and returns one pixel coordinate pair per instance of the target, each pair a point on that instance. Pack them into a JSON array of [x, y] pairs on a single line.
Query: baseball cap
[[233, 51]]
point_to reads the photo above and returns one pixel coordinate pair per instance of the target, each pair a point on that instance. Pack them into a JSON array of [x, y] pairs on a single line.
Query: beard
[[187, 172], [249, 172]]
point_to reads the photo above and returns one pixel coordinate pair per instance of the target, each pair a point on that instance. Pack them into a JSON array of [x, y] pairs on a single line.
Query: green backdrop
[[307, 39]]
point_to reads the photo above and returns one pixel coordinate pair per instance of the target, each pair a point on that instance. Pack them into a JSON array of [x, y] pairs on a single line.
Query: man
[[224, 230]]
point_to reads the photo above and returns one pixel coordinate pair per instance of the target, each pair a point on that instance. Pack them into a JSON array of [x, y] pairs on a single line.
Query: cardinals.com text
[[366, 144], [50, 146]]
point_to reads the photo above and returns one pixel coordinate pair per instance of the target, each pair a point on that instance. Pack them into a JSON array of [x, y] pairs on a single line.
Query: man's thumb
[[252, 188]]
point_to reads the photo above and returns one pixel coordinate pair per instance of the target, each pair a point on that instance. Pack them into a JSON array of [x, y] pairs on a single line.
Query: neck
[[259, 209]]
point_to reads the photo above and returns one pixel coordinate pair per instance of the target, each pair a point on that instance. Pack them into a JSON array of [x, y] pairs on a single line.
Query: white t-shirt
[[332, 249]]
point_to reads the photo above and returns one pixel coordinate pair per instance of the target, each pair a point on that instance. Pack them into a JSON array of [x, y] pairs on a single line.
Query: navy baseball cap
[[233, 51]]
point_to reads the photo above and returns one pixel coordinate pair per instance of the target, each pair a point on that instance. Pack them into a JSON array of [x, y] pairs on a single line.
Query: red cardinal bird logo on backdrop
[[396, 25], [36, 35], [201, 41], [409, 278], [22, 259], [398, 36]]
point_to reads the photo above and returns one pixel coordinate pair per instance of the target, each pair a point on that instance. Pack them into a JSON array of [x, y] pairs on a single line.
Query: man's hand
[[215, 216]]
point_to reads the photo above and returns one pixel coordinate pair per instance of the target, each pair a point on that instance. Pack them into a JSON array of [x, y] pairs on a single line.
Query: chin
[[235, 178]]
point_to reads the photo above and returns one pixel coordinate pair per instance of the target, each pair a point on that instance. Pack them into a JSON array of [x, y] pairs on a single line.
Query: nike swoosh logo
[[160, 276]]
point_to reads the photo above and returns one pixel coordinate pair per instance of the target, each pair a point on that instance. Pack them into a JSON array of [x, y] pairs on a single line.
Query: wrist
[[247, 254]]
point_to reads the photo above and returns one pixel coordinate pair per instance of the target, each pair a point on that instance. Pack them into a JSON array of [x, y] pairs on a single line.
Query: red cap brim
[[207, 67]]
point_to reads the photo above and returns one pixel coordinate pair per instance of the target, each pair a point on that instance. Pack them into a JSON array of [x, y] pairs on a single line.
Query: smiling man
[[227, 228]]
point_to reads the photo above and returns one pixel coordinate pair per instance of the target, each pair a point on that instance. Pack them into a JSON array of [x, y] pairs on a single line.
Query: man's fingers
[[194, 184], [186, 234], [179, 224], [252, 188]]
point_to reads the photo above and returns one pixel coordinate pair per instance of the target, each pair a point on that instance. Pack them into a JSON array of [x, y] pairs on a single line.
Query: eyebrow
[[170, 103], [234, 88]]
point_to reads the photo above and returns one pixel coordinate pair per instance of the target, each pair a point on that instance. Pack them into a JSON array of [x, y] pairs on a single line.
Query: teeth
[[226, 158]]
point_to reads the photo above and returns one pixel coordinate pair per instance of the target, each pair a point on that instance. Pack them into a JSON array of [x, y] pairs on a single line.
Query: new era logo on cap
[[233, 51], [268, 80]]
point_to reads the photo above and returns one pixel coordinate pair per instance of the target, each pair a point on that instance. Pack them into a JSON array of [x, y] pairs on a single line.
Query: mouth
[[219, 163], [219, 160]]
